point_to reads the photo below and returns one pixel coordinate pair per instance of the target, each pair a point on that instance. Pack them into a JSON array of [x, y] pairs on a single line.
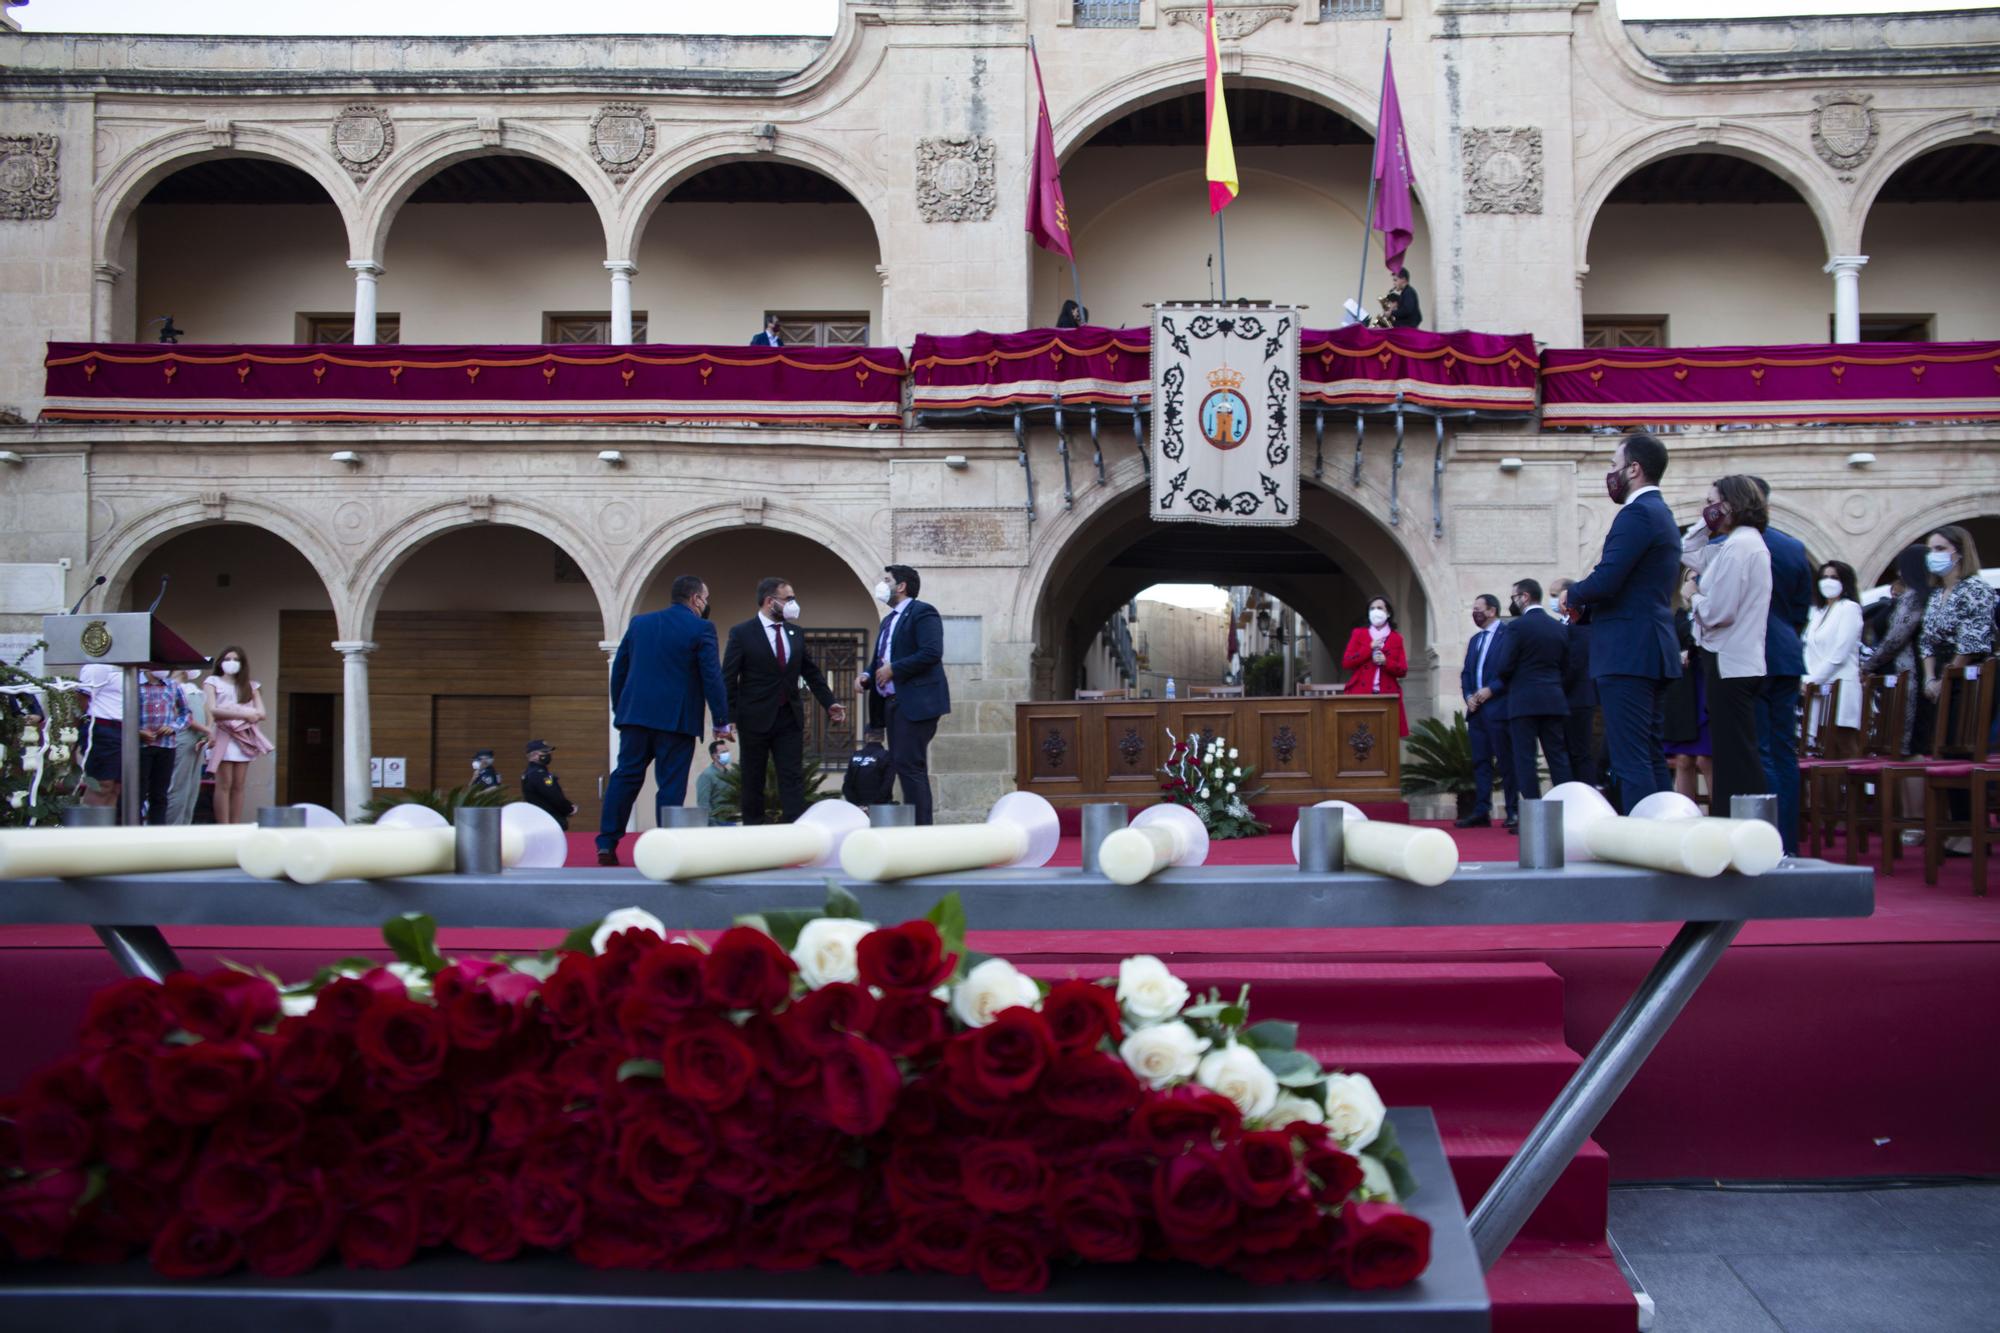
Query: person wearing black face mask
[[1486, 723], [1628, 599], [1534, 652]]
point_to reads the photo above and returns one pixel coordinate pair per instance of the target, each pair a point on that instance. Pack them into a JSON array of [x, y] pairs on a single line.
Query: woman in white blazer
[[1833, 641], [1731, 603]]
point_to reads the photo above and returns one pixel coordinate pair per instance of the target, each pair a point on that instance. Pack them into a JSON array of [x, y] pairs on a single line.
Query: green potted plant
[[1437, 761], [445, 803], [729, 801]]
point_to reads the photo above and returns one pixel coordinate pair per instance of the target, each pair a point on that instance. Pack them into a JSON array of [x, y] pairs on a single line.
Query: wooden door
[[463, 723], [309, 752]]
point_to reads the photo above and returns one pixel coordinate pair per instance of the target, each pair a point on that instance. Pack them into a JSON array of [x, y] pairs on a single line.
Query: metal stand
[[476, 848], [281, 816], [1541, 835], [1322, 840], [141, 951], [1100, 821], [892, 816], [683, 816], [1597, 1083]]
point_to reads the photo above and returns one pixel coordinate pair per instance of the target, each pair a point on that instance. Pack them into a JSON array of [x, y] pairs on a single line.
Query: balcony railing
[[1107, 13], [1330, 10]]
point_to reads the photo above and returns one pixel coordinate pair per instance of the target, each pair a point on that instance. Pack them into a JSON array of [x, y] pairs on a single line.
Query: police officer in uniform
[[484, 775], [539, 786]]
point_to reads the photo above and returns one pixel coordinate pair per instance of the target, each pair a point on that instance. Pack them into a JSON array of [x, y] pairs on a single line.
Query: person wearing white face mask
[[1376, 657], [708, 789], [236, 706], [1958, 632], [1833, 644], [766, 667]]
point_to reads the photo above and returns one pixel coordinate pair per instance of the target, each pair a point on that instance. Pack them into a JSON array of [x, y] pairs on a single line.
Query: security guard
[[539, 786], [484, 775]]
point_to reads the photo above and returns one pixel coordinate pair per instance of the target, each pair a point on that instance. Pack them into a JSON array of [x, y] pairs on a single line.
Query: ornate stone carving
[[362, 139], [1361, 741], [1503, 170], [30, 176], [221, 131], [1132, 747], [1284, 745], [1859, 512], [621, 138], [1232, 22], [1844, 129], [957, 178], [1054, 747]]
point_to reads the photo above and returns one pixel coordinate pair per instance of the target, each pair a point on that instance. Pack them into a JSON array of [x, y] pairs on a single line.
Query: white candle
[[1755, 847], [878, 854], [1129, 855], [313, 856], [690, 853], [1425, 856], [72, 852], [1698, 847]]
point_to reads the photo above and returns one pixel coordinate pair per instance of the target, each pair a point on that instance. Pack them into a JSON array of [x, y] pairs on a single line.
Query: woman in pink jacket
[[235, 707]]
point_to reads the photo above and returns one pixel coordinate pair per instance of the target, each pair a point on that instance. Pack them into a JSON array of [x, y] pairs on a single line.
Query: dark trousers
[[1549, 732], [669, 752], [1634, 732], [1778, 747], [1492, 756], [156, 779], [1578, 735], [909, 755], [784, 744], [1732, 735]]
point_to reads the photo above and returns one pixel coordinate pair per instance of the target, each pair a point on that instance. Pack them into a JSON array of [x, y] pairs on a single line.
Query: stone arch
[[1929, 138], [654, 182], [1821, 542], [128, 182], [1755, 146], [854, 548], [127, 546], [1899, 530], [451, 145], [380, 562]]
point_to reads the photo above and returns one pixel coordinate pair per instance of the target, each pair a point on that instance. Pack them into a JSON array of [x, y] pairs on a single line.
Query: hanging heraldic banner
[[1225, 414]]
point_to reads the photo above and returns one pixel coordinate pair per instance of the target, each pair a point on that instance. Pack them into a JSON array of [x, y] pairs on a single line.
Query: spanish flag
[[1222, 184]]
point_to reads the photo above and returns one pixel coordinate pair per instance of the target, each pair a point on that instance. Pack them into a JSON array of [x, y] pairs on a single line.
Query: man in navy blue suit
[[1533, 655], [906, 673], [1629, 599], [666, 668], [1581, 729], [1486, 724], [1784, 663]]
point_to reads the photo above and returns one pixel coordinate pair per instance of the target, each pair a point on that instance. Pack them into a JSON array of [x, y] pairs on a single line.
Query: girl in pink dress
[[235, 707]]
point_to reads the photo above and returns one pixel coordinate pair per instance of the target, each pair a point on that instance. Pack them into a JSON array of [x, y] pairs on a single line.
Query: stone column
[[621, 299], [357, 742], [366, 271], [1846, 270], [104, 300]]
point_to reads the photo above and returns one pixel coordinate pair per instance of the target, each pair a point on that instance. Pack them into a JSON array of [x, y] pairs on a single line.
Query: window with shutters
[[587, 326], [1107, 13], [1625, 331], [340, 329], [822, 330]]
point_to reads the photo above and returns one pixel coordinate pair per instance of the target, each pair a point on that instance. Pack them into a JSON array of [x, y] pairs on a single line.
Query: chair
[[1086, 695], [1815, 715], [1322, 691], [1962, 765], [1216, 692], [1952, 742], [1839, 787]]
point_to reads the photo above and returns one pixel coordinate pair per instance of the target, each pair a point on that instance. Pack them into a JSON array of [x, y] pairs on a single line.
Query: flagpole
[[1368, 218], [1222, 253], [1076, 285], [1041, 95]]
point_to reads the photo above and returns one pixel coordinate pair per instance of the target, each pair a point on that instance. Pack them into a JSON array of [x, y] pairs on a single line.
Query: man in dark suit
[[1629, 600], [765, 668], [1581, 728], [1534, 652], [1406, 313], [665, 670], [906, 673], [1486, 726], [1784, 663], [768, 336]]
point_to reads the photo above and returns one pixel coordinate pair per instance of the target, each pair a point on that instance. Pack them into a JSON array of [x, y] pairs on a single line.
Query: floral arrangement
[[809, 1087], [1206, 775], [40, 745]]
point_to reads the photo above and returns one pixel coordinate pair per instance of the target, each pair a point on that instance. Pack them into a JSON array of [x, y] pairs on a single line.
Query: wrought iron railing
[[1121, 646], [1349, 9], [1111, 13]]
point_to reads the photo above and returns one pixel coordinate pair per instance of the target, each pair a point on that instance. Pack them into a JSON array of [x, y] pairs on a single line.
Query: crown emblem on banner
[[1222, 377]]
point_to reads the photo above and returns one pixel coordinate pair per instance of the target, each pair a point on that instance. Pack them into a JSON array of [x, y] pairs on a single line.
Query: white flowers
[[1237, 1073], [825, 951], [1163, 1054], [1147, 992], [59, 754], [994, 985], [1292, 1109], [625, 918], [1354, 1110], [67, 735], [1204, 793], [297, 1006], [31, 762], [17, 799], [1375, 1179], [1232, 755], [1230, 788], [30, 738]]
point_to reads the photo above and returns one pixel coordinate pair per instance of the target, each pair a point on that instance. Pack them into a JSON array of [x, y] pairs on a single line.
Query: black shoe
[[605, 858], [1473, 821], [1513, 826]]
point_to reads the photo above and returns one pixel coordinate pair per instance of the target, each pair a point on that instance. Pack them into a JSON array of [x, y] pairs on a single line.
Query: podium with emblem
[[133, 641]]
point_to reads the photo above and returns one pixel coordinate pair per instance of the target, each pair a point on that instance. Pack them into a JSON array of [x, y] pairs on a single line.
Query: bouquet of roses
[[1210, 778], [808, 1087]]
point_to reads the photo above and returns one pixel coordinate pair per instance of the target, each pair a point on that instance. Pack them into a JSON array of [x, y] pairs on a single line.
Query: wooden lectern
[[133, 641]]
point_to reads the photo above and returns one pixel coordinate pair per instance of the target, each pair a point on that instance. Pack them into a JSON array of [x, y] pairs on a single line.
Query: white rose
[[994, 985], [1232, 752], [59, 754], [1231, 789], [1354, 1110], [1237, 1073], [1375, 1178], [1147, 991], [1237, 774], [30, 738], [825, 951], [1291, 1109], [67, 735], [3, 754], [17, 799], [413, 977], [1204, 793], [31, 762], [625, 918], [296, 1006], [1163, 1054]]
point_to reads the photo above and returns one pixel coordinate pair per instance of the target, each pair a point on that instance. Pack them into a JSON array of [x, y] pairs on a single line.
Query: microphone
[[87, 591], [162, 597]]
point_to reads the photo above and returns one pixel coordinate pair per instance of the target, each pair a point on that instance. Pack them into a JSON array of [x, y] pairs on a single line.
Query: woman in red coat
[[1376, 657]]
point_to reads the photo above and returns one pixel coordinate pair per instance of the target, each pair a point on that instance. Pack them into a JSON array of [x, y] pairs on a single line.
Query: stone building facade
[[1578, 177]]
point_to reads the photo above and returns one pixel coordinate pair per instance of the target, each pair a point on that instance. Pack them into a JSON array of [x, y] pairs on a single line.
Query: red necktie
[[781, 647]]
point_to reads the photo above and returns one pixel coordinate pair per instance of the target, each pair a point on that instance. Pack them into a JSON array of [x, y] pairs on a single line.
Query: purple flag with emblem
[[1392, 173]]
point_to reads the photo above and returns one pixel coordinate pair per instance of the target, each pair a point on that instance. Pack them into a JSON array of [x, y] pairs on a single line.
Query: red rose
[[1167, 1123], [133, 1210], [436, 1119], [157, 1150], [264, 1127], [340, 1003], [1337, 1174], [768, 1245], [870, 1246], [1089, 1085], [1260, 1168], [587, 1069], [1268, 1230], [620, 1240], [327, 1148], [1002, 1177], [230, 1194], [939, 1239], [906, 957], [35, 1213], [403, 1042], [747, 970], [1312, 1257], [389, 1166], [819, 1019], [1081, 1014], [565, 1151], [187, 1248], [1004, 1058], [1011, 1256], [671, 974], [53, 1137], [1385, 1246], [125, 1074], [924, 1172], [198, 1084], [1129, 1168], [222, 1006], [569, 996], [819, 1221], [381, 1233], [911, 1024], [742, 1176], [478, 1020], [707, 1217], [707, 1062], [485, 1219], [859, 1082], [1191, 1198], [309, 1062], [434, 1200], [296, 1236], [784, 1061], [132, 1012], [661, 1157], [1096, 1219], [518, 1105]]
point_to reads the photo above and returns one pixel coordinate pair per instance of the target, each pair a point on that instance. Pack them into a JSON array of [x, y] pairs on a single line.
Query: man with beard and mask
[[1534, 652], [906, 673], [1629, 601], [1492, 750], [665, 670], [1581, 729], [765, 668]]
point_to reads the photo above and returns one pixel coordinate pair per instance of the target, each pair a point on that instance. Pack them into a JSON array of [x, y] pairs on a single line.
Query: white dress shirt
[[1733, 602]]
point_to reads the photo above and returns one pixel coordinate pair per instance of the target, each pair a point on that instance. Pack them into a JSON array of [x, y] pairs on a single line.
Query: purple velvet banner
[[1357, 366], [843, 386], [1030, 369], [1633, 386]]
